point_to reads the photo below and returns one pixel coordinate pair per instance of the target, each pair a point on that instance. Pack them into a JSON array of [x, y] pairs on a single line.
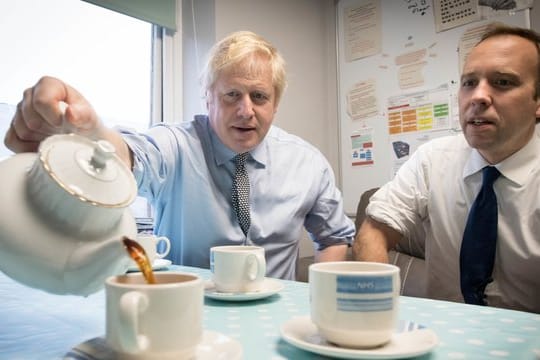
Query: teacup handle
[[132, 304], [167, 246], [256, 267]]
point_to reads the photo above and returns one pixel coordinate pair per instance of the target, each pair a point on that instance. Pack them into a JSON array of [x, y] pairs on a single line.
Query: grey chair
[[408, 255]]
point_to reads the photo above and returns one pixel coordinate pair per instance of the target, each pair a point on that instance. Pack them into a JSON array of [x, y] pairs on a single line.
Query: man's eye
[[467, 82], [231, 96], [259, 97], [503, 82]]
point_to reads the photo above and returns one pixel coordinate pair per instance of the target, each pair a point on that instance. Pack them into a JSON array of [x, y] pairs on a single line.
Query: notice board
[[398, 74]]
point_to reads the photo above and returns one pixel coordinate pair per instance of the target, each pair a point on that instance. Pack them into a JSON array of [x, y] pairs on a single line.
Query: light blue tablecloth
[[37, 325]]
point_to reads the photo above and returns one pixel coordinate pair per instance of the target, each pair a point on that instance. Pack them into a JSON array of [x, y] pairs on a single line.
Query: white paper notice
[[452, 13], [362, 30], [362, 100]]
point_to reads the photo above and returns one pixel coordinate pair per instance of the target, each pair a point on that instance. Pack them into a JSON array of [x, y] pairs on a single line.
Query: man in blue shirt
[[186, 170]]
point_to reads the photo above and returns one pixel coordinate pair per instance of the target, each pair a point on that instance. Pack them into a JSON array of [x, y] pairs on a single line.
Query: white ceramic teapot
[[63, 213]]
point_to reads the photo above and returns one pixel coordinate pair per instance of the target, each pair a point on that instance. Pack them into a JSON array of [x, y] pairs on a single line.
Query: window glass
[[103, 54]]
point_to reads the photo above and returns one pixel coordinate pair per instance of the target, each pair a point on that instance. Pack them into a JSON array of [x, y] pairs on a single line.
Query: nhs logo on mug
[[211, 261], [363, 293]]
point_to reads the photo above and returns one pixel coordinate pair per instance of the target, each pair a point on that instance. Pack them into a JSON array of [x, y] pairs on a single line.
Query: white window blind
[[158, 12]]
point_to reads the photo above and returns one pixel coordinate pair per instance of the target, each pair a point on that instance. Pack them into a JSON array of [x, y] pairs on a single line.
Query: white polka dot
[[425, 314], [265, 317], [476, 342], [233, 326], [233, 318], [440, 322], [528, 328], [487, 312], [456, 355], [508, 321], [262, 310], [457, 331], [232, 310], [515, 340], [292, 310], [456, 313], [500, 353]]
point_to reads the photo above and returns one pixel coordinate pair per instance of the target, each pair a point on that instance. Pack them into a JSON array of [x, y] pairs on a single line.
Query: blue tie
[[479, 241]]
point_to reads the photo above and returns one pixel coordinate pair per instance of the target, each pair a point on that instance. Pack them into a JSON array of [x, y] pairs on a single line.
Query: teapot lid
[[88, 169]]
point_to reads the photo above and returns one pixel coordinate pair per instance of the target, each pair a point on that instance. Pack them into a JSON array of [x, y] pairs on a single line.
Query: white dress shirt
[[433, 192]]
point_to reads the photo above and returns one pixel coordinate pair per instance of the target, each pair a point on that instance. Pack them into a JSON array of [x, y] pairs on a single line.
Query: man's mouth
[[243, 129], [478, 122]]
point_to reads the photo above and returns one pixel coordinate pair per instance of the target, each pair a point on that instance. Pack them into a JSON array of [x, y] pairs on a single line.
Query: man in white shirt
[[433, 191]]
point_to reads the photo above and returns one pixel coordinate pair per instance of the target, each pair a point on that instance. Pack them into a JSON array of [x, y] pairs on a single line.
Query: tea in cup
[[354, 304], [155, 247], [154, 321], [237, 268]]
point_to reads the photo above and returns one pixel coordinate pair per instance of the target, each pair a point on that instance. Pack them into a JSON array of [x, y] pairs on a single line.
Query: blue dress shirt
[[186, 172]]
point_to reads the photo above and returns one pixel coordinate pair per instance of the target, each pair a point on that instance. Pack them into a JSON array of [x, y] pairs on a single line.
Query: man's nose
[[245, 107], [481, 95]]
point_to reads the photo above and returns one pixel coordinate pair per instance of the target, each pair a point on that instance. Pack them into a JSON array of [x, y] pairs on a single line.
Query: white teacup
[[151, 243], [154, 321], [354, 304], [237, 268]]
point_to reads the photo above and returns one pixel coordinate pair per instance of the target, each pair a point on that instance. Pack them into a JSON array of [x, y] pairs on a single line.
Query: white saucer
[[214, 346], [409, 340], [269, 288], [158, 264]]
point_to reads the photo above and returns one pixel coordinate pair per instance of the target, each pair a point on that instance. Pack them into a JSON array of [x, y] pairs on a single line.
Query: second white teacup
[[354, 304], [237, 268], [156, 247]]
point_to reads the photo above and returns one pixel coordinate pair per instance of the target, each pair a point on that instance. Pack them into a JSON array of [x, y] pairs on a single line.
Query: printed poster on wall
[[362, 147], [421, 111]]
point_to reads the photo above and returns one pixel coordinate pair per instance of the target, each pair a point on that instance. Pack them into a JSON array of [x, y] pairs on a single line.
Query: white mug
[[154, 321], [151, 244], [237, 268], [354, 304]]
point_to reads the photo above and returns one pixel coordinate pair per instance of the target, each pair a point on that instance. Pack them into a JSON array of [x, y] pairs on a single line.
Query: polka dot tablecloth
[[36, 325]]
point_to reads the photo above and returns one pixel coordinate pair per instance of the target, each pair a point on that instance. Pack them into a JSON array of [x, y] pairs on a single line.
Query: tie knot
[[240, 159], [490, 174]]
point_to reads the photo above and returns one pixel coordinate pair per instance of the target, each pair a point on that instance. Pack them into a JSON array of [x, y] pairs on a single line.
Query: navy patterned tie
[[240, 192], [479, 241]]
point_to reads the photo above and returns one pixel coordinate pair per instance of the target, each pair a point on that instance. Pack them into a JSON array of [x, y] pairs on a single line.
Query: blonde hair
[[246, 49]]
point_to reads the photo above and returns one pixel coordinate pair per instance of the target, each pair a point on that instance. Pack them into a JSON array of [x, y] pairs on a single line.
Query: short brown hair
[[498, 29]]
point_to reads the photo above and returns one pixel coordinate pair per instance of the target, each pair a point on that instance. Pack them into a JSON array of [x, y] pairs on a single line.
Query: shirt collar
[[223, 154], [516, 168]]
